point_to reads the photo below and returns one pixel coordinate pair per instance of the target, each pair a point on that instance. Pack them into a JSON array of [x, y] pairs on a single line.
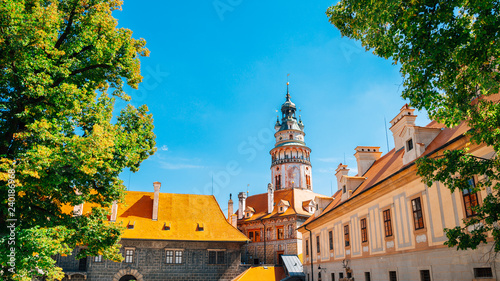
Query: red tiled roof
[[392, 162], [294, 196]]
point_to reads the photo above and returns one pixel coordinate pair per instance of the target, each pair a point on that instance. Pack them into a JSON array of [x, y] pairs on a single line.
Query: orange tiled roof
[[261, 273], [392, 162], [294, 196], [184, 213]]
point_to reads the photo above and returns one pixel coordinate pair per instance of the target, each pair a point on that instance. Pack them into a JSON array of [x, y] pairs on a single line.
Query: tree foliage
[[449, 54], [62, 65]]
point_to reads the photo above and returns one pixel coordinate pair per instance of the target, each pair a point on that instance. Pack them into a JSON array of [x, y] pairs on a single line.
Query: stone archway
[[127, 274], [128, 278]]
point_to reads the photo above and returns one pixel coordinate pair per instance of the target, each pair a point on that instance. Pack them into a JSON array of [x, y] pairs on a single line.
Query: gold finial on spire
[[287, 92]]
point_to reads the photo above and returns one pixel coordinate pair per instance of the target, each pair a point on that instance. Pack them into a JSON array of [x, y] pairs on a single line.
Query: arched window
[[277, 180]]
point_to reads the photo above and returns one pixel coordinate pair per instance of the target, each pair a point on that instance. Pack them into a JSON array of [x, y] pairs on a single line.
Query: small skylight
[[200, 227], [131, 224], [166, 226]]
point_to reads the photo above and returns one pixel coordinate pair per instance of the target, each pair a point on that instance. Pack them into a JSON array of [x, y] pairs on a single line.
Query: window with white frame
[[129, 255], [169, 256], [173, 256], [178, 256]]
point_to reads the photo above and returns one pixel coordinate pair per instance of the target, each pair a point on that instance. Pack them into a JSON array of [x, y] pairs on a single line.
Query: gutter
[[311, 245], [264, 234]]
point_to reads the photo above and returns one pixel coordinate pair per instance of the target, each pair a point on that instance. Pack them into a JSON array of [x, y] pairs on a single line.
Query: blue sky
[[217, 74]]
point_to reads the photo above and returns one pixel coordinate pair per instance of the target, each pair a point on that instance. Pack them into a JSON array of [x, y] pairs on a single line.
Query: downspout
[[311, 247], [264, 234]]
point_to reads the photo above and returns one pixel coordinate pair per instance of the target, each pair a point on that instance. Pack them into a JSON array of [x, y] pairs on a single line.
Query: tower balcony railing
[[290, 140], [290, 160]]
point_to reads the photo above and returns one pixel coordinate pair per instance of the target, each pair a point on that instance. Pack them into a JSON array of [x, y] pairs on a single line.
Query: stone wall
[[150, 262], [255, 250], [288, 245]]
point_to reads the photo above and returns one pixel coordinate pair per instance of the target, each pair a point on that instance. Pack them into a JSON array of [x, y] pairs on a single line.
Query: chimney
[[242, 196], [156, 199], [114, 211], [403, 119], [234, 220], [270, 198], [365, 156], [230, 208], [341, 171]]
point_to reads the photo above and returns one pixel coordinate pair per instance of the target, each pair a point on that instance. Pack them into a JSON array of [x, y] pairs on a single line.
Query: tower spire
[[291, 166]]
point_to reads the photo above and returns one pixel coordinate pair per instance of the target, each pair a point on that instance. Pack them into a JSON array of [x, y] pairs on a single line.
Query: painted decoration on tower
[[293, 176]]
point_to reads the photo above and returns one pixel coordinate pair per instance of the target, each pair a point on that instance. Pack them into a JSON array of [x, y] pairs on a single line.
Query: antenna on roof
[[386, 136]]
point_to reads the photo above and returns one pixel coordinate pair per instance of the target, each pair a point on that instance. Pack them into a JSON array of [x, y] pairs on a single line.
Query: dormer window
[[312, 207], [283, 206], [249, 211], [409, 144], [309, 206]]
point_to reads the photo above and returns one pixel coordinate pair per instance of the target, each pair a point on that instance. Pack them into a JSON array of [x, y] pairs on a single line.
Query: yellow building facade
[[386, 224]]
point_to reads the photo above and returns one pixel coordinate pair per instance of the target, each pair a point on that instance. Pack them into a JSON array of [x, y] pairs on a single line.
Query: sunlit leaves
[[58, 61], [449, 55]]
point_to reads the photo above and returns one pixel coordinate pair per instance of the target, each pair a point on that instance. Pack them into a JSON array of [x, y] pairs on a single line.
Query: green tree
[[62, 64], [449, 57]]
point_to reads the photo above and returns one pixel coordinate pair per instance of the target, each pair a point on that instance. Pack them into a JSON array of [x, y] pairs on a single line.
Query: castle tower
[[291, 166]]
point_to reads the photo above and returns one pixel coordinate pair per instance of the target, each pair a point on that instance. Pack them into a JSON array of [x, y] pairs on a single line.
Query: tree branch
[[68, 27], [81, 51], [90, 67]]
